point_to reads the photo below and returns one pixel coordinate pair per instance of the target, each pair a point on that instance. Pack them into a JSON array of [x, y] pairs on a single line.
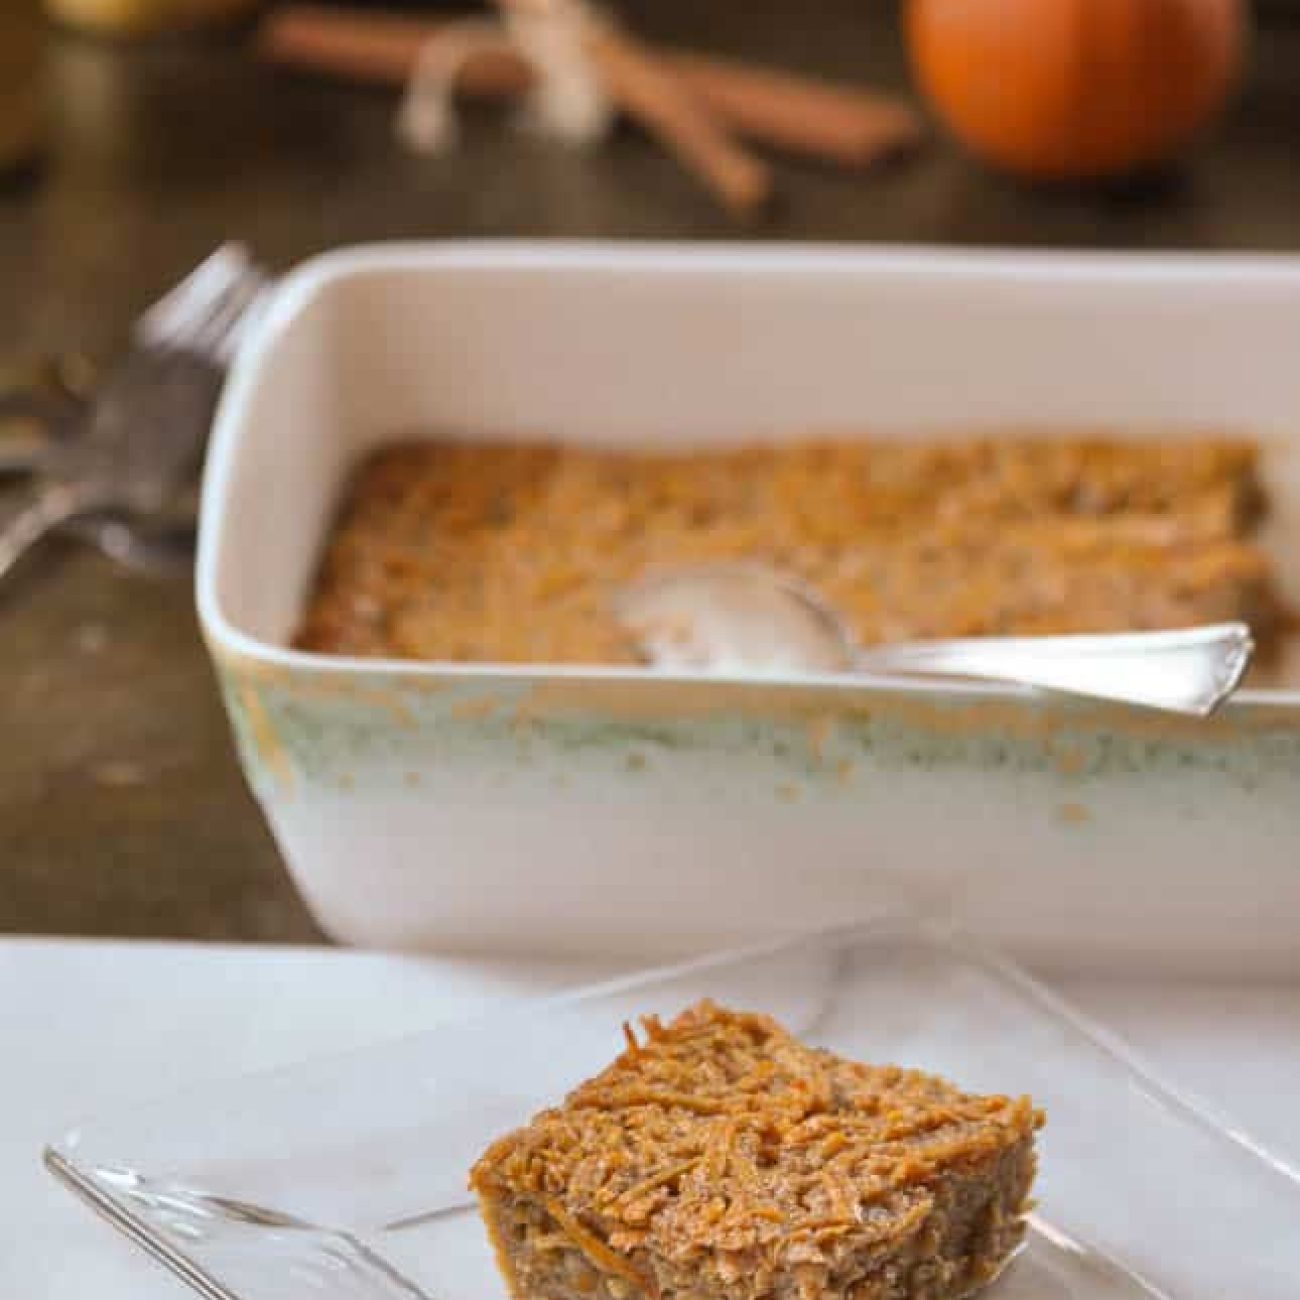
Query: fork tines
[[208, 312]]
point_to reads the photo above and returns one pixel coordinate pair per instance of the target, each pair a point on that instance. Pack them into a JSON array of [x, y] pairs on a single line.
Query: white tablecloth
[[86, 1027]]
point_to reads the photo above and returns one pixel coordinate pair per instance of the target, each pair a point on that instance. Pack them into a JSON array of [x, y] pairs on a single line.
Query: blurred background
[[137, 135]]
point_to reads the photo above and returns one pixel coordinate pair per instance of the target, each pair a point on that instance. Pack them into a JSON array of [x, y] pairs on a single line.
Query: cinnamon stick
[[649, 91], [802, 115], [848, 126], [380, 47], [639, 84]]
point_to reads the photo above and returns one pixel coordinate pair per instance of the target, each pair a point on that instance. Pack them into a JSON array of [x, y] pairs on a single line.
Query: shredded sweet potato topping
[[514, 553], [722, 1133]]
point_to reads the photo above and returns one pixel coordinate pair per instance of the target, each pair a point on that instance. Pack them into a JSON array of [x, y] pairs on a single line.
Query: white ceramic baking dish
[[423, 805]]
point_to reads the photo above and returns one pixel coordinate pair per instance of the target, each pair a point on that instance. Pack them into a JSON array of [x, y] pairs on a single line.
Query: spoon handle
[[1191, 671]]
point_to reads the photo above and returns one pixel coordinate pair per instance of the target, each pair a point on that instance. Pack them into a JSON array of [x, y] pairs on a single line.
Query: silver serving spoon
[[750, 619]]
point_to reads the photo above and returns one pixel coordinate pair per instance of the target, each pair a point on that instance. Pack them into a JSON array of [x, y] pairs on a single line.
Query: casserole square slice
[[722, 1159]]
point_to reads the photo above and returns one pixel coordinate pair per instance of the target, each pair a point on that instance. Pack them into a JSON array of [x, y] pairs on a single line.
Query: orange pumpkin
[[1076, 89]]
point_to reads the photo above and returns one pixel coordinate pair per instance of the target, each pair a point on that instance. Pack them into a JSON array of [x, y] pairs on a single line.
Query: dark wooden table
[[121, 808]]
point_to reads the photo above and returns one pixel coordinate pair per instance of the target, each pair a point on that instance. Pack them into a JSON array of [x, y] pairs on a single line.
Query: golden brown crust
[[513, 553], [722, 1143]]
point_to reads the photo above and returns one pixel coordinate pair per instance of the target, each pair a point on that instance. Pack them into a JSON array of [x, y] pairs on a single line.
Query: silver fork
[[147, 423]]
